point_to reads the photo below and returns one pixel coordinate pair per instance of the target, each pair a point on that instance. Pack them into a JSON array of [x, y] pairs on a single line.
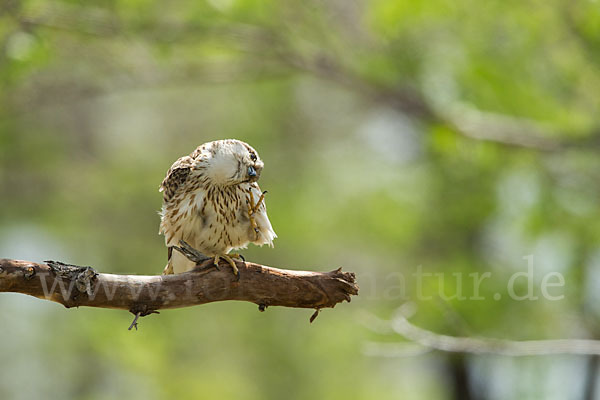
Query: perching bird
[[211, 201]]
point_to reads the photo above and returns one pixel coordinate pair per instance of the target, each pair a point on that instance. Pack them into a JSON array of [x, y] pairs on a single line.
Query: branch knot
[[83, 277]]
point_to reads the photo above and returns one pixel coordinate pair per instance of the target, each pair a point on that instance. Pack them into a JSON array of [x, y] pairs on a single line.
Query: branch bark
[[74, 286]]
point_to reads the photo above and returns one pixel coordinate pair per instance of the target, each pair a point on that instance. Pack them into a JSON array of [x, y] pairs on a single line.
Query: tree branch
[[74, 286], [468, 122], [474, 345]]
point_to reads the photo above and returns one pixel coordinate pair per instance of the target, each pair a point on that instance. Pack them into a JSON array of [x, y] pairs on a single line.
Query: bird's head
[[228, 162]]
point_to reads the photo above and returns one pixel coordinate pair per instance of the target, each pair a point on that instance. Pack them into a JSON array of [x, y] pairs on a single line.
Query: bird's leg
[[251, 213], [168, 269], [256, 205], [253, 208]]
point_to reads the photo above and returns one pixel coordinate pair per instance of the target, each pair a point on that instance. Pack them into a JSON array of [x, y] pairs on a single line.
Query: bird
[[212, 201]]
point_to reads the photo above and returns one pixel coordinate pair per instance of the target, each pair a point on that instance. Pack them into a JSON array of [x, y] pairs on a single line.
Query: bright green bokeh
[[98, 98]]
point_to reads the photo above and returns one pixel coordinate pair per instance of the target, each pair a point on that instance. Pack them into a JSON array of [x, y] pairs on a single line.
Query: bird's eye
[[253, 156]]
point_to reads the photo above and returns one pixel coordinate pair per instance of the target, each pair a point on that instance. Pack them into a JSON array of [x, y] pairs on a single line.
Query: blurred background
[[447, 137]]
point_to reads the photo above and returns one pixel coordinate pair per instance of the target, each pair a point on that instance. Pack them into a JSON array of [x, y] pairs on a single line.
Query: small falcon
[[212, 201]]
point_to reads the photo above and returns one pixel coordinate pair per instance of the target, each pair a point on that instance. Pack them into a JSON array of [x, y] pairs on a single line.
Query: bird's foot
[[253, 208], [230, 259]]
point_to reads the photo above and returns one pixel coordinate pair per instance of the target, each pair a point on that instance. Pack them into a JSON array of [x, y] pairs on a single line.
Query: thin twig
[[134, 323]]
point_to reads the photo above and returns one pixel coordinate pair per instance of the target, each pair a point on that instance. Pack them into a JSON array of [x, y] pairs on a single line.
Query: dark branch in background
[[74, 286], [428, 340], [465, 120]]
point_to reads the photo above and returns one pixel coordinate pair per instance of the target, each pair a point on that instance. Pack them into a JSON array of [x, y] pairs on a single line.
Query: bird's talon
[[229, 258], [216, 262]]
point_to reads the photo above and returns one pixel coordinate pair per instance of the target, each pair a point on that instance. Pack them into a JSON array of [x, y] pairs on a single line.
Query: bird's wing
[[172, 225], [176, 177]]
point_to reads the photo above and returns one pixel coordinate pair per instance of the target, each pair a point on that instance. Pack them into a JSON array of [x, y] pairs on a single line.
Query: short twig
[[191, 253], [315, 315], [140, 314], [134, 323]]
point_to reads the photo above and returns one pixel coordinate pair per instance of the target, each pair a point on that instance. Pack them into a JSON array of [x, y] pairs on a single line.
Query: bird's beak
[[251, 172]]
